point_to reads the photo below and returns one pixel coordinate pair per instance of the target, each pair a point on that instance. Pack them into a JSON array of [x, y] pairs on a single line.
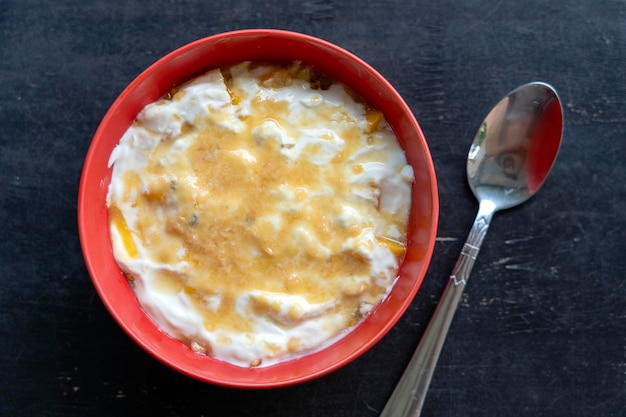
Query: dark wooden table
[[542, 327]]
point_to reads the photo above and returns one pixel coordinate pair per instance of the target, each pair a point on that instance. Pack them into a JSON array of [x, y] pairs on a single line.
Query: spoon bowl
[[516, 146], [508, 161]]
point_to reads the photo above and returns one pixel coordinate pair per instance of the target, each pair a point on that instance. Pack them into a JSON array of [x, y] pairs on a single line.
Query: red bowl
[[219, 51]]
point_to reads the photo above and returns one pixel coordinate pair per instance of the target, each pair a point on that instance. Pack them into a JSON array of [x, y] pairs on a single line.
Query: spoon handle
[[408, 397]]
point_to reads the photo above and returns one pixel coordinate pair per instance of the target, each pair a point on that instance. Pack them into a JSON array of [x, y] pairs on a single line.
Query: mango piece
[[397, 248], [118, 221], [373, 117]]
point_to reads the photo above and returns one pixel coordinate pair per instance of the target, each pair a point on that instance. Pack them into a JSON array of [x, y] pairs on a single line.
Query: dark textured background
[[542, 327]]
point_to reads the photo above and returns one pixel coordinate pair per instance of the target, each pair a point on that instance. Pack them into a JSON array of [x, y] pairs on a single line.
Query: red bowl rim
[[178, 356]]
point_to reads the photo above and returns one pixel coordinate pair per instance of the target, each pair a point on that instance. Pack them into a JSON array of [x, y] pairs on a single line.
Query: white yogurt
[[258, 217]]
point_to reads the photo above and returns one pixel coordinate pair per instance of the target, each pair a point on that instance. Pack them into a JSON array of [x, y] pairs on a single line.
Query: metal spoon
[[509, 159]]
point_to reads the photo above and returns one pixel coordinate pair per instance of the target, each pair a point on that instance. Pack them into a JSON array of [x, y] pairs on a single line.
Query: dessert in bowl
[[372, 239]]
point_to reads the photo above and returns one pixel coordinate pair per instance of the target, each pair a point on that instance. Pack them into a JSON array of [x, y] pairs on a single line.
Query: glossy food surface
[[259, 215]]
